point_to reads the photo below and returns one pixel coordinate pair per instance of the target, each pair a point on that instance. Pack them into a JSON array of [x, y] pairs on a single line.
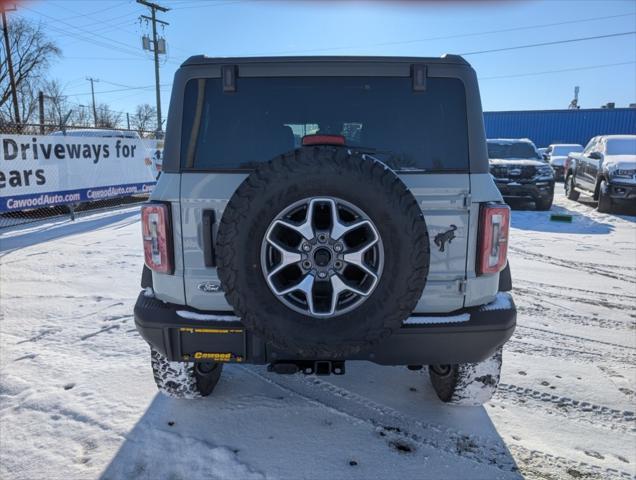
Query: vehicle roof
[[96, 132], [618, 137], [203, 60], [566, 145], [509, 140]]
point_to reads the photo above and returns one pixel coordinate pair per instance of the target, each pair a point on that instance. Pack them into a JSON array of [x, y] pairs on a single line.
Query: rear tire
[[184, 379], [604, 200], [570, 189], [288, 320], [467, 384]]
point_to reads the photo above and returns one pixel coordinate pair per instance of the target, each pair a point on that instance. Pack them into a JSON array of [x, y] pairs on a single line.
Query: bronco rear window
[[267, 116]]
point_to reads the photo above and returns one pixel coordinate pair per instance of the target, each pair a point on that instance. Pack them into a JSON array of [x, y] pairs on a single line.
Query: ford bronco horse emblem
[[447, 236]]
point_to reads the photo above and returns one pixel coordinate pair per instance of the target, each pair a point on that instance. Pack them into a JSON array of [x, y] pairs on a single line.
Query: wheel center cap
[[322, 257]]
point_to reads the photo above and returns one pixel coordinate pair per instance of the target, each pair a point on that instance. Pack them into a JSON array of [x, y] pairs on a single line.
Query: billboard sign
[[44, 170]]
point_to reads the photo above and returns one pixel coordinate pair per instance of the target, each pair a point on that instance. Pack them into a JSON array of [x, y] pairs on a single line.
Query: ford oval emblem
[[209, 287]]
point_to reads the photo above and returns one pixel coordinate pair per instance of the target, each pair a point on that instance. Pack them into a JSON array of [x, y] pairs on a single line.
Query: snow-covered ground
[[77, 399]]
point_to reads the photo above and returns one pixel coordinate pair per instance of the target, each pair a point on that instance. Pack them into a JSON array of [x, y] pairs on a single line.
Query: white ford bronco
[[319, 210]]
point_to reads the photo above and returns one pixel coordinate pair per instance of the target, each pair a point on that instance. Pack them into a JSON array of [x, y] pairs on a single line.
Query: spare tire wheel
[[323, 252]]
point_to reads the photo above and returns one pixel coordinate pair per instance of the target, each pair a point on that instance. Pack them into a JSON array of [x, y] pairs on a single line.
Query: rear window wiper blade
[[371, 150]]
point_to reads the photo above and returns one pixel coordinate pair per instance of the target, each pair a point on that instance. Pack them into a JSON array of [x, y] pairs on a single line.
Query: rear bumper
[[467, 335], [529, 191]]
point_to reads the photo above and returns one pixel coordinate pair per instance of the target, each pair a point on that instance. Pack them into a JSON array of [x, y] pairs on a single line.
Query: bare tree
[[57, 109], [144, 118], [107, 118], [27, 103], [32, 54], [82, 116]]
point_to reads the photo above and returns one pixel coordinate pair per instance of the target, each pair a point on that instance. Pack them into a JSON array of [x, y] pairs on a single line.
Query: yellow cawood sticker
[[217, 357], [209, 330]]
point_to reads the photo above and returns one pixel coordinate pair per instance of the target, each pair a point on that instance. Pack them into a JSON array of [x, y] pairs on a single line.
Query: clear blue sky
[[101, 39]]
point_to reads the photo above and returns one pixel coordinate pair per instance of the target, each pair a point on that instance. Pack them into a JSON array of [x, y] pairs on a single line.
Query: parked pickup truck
[[605, 170]]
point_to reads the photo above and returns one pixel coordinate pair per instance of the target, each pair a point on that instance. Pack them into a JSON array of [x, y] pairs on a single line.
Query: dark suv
[[520, 172], [317, 210]]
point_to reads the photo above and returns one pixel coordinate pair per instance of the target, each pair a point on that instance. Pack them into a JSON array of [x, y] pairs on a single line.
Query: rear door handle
[[209, 252]]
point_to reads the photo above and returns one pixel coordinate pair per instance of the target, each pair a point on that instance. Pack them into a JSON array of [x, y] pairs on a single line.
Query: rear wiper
[[371, 150], [393, 161]]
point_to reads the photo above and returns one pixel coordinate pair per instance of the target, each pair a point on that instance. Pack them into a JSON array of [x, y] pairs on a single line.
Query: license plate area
[[212, 344]]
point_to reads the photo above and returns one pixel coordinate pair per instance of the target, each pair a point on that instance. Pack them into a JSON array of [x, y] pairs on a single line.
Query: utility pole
[[574, 104], [157, 48], [7, 45], [128, 119], [41, 108], [91, 79]]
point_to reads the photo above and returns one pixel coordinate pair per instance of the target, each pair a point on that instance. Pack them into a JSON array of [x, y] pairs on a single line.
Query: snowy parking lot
[[77, 398]]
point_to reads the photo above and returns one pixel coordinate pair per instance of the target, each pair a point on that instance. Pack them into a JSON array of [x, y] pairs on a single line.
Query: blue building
[[545, 127]]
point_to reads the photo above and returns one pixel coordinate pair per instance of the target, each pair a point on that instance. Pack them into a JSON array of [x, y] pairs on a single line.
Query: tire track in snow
[[561, 350], [571, 289], [540, 311], [536, 341], [391, 422], [358, 408], [574, 338], [538, 464], [591, 299], [592, 268], [579, 411]]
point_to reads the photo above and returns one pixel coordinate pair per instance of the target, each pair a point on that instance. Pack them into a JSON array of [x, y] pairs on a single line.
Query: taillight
[[155, 230], [494, 223], [323, 140]]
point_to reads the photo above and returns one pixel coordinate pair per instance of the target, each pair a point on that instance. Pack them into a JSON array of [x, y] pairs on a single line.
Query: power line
[[114, 59], [556, 42], [200, 4], [122, 85], [105, 42], [79, 28], [90, 14], [546, 72], [108, 24], [129, 95], [450, 37], [99, 43], [127, 89]]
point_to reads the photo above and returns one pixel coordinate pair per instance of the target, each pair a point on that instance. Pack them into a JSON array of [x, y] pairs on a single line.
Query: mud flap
[[505, 279]]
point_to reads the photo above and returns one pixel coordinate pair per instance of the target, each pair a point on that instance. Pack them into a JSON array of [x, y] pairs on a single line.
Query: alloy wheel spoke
[[356, 258], [305, 286], [338, 287], [305, 229], [338, 229]]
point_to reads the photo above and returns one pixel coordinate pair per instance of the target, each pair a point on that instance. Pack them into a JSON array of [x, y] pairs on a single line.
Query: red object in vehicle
[[494, 224], [155, 230], [323, 140]]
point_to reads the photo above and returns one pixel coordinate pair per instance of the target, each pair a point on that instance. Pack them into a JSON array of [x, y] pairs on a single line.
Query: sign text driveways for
[[41, 170]]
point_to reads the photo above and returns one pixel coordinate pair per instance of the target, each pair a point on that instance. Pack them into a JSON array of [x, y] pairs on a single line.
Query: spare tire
[[323, 252]]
